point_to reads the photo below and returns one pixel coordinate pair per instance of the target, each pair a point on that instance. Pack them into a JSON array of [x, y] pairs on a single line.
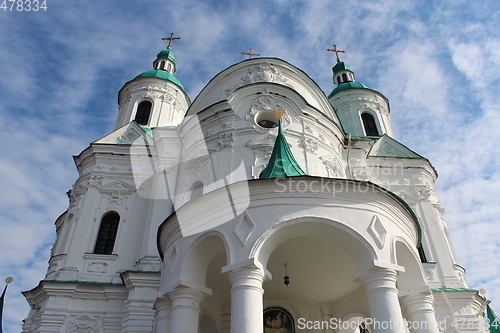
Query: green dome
[[162, 75], [348, 85], [340, 66], [166, 54]]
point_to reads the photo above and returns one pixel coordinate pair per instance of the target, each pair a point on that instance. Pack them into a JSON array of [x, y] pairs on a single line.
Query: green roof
[[340, 66], [166, 54], [162, 75], [453, 289], [348, 85], [282, 163], [492, 320]]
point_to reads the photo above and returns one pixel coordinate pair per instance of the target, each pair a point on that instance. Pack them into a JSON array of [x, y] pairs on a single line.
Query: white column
[[185, 310], [162, 307], [383, 302], [246, 300], [419, 312]]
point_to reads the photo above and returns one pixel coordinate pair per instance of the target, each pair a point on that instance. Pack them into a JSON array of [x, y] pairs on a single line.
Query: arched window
[[162, 65], [169, 68], [196, 190], [369, 124], [344, 77], [338, 80], [107, 233], [143, 112]]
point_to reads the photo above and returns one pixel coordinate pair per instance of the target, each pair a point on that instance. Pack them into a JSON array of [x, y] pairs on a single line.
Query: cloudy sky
[[438, 62]]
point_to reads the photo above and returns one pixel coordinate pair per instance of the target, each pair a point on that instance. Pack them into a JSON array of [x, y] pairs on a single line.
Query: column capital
[[419, 302], [186, 297], [162, 303], [247, 278], [378, 279]]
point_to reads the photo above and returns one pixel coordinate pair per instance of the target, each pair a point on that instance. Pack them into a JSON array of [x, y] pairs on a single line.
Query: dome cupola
[[154, 98], [362, 111]]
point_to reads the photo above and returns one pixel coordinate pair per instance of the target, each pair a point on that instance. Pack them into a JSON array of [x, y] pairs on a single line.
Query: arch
[[349, 240], [278, 318], [107, 233], [344, 77], [369, 124], [353, 323], [143, 112], [232, 76], [196, 189], [413, 276], [208, 324], [162, 65], [200, 254]]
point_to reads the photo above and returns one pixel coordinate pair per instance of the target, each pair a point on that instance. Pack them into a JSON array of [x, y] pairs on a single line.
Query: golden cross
[[250, 54], [336, 51], [170, 39]]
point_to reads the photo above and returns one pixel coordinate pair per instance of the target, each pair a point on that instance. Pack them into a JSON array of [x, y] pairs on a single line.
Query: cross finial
[[170, 39], [336, 51], [250, 54]]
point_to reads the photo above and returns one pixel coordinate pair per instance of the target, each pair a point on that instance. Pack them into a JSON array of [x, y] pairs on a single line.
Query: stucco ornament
[[263, 72]]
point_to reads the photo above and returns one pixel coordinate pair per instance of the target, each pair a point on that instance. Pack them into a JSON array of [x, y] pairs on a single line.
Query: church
[[264, 205]]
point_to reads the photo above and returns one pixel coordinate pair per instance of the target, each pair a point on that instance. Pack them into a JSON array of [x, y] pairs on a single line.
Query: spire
[[282, 163]]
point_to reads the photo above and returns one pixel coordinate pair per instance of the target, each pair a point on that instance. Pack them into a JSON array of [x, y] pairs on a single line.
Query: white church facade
[[262, 206]]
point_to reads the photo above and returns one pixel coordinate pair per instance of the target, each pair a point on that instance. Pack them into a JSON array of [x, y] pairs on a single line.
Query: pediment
[[117, 186], [389, 147], [129, 134]]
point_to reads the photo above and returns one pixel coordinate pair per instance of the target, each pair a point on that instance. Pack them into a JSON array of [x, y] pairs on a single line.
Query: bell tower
[[363, 111], [155, 98]]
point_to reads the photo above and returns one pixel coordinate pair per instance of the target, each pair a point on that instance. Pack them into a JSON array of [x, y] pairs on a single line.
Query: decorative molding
[[377, 231], [308, 129], [244, 227], [116, 192], [263, 72], [333, 167], [97, 267], [310, 145], [172, 259], [83, 324], [226, 140], [128, 137], [424, 194], [95, 181], [439, 210], [75, 194], [265, 102]]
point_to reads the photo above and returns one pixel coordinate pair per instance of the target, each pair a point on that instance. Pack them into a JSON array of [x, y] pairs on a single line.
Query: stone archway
[[321, 256]]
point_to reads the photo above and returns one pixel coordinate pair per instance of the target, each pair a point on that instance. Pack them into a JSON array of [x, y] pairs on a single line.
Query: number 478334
[[23, 5]]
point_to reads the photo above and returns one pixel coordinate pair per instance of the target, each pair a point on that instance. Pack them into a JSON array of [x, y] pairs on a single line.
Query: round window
[[267, 120]]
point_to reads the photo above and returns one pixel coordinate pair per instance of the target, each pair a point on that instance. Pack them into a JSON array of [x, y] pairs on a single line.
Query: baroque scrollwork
[[264, 103], [83, 324], [263, 72]]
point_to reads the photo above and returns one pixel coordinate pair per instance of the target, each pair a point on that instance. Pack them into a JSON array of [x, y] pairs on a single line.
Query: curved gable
[[263, 70]]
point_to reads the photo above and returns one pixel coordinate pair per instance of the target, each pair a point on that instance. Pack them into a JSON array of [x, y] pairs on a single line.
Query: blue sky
[[438, 62]]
